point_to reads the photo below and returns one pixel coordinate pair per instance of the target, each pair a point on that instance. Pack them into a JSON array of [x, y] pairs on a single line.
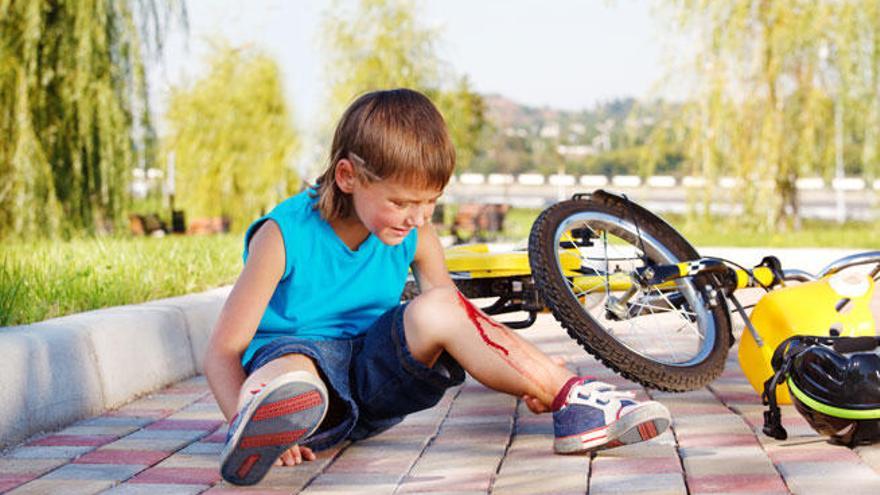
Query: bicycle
[[632, 291]]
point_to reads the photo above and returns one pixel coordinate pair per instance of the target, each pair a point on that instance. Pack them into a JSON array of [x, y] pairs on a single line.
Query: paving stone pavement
[[475, 441]]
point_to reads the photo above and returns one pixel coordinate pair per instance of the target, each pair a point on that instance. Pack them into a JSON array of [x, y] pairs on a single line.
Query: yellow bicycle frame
[[478, 261]]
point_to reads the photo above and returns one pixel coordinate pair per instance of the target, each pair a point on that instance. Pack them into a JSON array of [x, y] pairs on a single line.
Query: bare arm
[[241, 314], [429, 263]]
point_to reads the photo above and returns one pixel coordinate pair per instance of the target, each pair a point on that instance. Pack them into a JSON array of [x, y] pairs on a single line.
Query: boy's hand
[[535, 405], [295, 455]]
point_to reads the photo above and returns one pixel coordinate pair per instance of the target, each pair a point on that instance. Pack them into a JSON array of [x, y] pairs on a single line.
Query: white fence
[[652, 182]]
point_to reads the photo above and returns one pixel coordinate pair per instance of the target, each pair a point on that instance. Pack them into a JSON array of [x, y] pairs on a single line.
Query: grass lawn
[[40, 280]]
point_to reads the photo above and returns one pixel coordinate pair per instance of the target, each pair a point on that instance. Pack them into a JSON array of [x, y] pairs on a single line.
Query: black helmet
[[834, 382]]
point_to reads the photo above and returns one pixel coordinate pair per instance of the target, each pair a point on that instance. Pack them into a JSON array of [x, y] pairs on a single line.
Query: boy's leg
[[387, 382], [441, 319], [265, 374], [275, 368], [587, 414], [280, 403]]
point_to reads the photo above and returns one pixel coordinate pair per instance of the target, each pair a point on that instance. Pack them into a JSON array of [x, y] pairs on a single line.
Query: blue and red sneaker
[[590, 415], [279, 415]]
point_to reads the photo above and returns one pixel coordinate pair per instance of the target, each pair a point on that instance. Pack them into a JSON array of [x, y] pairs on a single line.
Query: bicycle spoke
[[667, 344], [584, 292], [629, 258], [638, 333], [664, 309], [644, 334], [665, 298], [688, 322], [569, 281]]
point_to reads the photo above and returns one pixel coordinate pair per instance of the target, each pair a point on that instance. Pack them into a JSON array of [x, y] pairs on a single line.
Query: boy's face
[[391, 209]]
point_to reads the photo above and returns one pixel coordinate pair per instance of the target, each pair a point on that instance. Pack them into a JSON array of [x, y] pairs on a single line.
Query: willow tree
[[74, 114], [380, 44], [232, 138], [770, 77]]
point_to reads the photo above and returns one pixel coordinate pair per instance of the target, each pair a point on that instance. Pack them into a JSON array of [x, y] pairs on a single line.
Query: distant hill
[[608, 138], [505, 112]]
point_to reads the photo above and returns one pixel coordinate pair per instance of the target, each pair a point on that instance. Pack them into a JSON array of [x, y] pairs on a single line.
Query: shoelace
[[597, 393]]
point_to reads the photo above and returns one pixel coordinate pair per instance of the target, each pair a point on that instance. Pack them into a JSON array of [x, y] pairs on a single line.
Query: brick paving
[[475, 441]]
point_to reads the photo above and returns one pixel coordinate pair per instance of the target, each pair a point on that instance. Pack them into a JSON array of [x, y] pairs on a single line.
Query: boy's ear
[[345, 175]]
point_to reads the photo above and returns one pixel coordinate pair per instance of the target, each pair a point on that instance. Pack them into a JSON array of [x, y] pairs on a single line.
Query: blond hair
[[394, 134]]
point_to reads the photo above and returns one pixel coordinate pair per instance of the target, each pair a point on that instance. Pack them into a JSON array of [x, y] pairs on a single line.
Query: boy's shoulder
[[293, 215], [299, 205]]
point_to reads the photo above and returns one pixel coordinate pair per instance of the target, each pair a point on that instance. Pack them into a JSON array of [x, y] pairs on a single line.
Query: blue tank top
[[327, 291]]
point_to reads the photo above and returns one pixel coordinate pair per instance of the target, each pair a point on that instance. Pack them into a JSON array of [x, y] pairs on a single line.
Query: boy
[[312, 346]]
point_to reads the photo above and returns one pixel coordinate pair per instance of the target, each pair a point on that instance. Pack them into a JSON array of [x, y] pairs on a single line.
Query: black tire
[[590, 323]]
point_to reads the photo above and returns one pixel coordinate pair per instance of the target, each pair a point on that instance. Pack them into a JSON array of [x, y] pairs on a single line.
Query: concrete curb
[[64, 369]]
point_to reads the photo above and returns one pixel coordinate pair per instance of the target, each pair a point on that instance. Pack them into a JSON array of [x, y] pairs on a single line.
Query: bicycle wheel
[[669, 338]]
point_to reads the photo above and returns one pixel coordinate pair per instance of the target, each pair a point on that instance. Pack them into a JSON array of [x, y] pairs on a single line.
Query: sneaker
[[595, 416], [280, 414]]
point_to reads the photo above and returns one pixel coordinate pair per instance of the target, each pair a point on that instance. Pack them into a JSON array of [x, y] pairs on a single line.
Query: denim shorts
[[374, 376]]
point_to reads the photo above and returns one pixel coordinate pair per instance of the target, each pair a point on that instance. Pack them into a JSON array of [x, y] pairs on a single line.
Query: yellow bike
[[635, 293]]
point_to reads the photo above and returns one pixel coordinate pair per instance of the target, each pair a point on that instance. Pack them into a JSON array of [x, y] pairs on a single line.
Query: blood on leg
[[499, 339]]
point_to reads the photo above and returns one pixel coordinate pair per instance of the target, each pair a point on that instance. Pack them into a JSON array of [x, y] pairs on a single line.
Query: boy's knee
[[433, 309], [283, 364]]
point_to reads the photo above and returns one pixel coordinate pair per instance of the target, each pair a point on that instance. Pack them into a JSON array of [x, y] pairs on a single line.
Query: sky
[[566, 54]]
